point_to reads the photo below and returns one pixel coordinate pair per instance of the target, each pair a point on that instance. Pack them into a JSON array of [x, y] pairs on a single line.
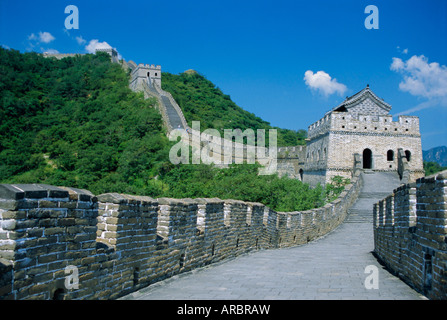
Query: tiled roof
[[360, 96]]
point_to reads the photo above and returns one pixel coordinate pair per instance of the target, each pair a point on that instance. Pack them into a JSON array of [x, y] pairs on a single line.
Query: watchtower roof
[[358, 98]]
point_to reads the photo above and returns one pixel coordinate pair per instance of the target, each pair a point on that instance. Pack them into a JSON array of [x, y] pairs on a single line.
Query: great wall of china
[[120, 243]]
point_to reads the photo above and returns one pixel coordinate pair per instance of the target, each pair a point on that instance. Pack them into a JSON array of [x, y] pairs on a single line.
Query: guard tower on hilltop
[[360, 132], [112, 52], [148, 72]]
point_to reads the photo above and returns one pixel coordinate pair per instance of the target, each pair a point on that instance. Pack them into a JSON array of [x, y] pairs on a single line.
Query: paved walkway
[[332, 267]]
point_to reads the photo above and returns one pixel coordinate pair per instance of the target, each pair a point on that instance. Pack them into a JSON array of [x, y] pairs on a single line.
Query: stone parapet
[[120, 243], [410, 228]]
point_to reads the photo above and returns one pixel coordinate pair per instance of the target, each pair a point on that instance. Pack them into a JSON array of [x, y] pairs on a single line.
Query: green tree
[[431, 167]]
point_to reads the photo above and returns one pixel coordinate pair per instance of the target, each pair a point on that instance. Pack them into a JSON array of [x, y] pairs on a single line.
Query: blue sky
[[259, 52]]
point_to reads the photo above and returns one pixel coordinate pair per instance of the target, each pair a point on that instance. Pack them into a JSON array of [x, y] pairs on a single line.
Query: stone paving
[[329, 268]]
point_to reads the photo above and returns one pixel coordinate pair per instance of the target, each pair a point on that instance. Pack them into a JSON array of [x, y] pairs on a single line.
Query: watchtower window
[[148, 74], [156, 74], [390, 155]]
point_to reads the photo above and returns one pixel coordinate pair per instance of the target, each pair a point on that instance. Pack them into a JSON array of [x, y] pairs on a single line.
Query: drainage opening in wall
[[59, 294], [428, 272], [136, 276], [182, 260]]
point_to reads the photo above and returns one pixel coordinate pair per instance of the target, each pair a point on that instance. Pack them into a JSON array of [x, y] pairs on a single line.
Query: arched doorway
[[301, 174], [367, 159]]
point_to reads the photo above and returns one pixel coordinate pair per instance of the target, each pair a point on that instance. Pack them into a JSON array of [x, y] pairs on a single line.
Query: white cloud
[[404, 51], [80, 40], [321, 81], [45, 37], [51, 51], [32, 36], [421, 78], [397, 64], [95, 44], [35, 40], [419, 107]]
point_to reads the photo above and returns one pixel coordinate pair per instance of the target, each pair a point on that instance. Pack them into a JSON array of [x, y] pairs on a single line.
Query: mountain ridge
[[436, 154]]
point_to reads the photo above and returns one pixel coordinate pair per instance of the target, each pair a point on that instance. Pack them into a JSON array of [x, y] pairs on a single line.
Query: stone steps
[[174, 117], [376, 186]]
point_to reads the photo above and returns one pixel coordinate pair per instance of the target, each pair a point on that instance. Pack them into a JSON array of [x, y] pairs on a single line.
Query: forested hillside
[[75, 122], [202, 101]]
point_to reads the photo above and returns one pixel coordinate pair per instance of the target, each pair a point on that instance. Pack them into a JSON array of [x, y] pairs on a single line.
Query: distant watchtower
[[112, 52], [148, 72]]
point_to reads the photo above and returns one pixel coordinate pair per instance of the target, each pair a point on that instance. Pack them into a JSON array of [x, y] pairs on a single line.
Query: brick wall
[[121, 243], [410, 228]]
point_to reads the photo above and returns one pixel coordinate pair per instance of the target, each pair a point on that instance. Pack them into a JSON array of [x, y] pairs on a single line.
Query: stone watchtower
[[112, 52], [148, 72], [360, 131]]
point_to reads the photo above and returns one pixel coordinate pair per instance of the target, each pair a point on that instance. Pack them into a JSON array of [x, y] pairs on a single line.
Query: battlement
[[110, 51], [149, 66], [410, 234], [364, 123], [60, 56], [121, 243]]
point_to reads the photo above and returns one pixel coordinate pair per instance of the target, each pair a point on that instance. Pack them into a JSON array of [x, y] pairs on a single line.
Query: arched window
[[367, 159], [390, 155], [408, 155], [148, 74], [301, 174]]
